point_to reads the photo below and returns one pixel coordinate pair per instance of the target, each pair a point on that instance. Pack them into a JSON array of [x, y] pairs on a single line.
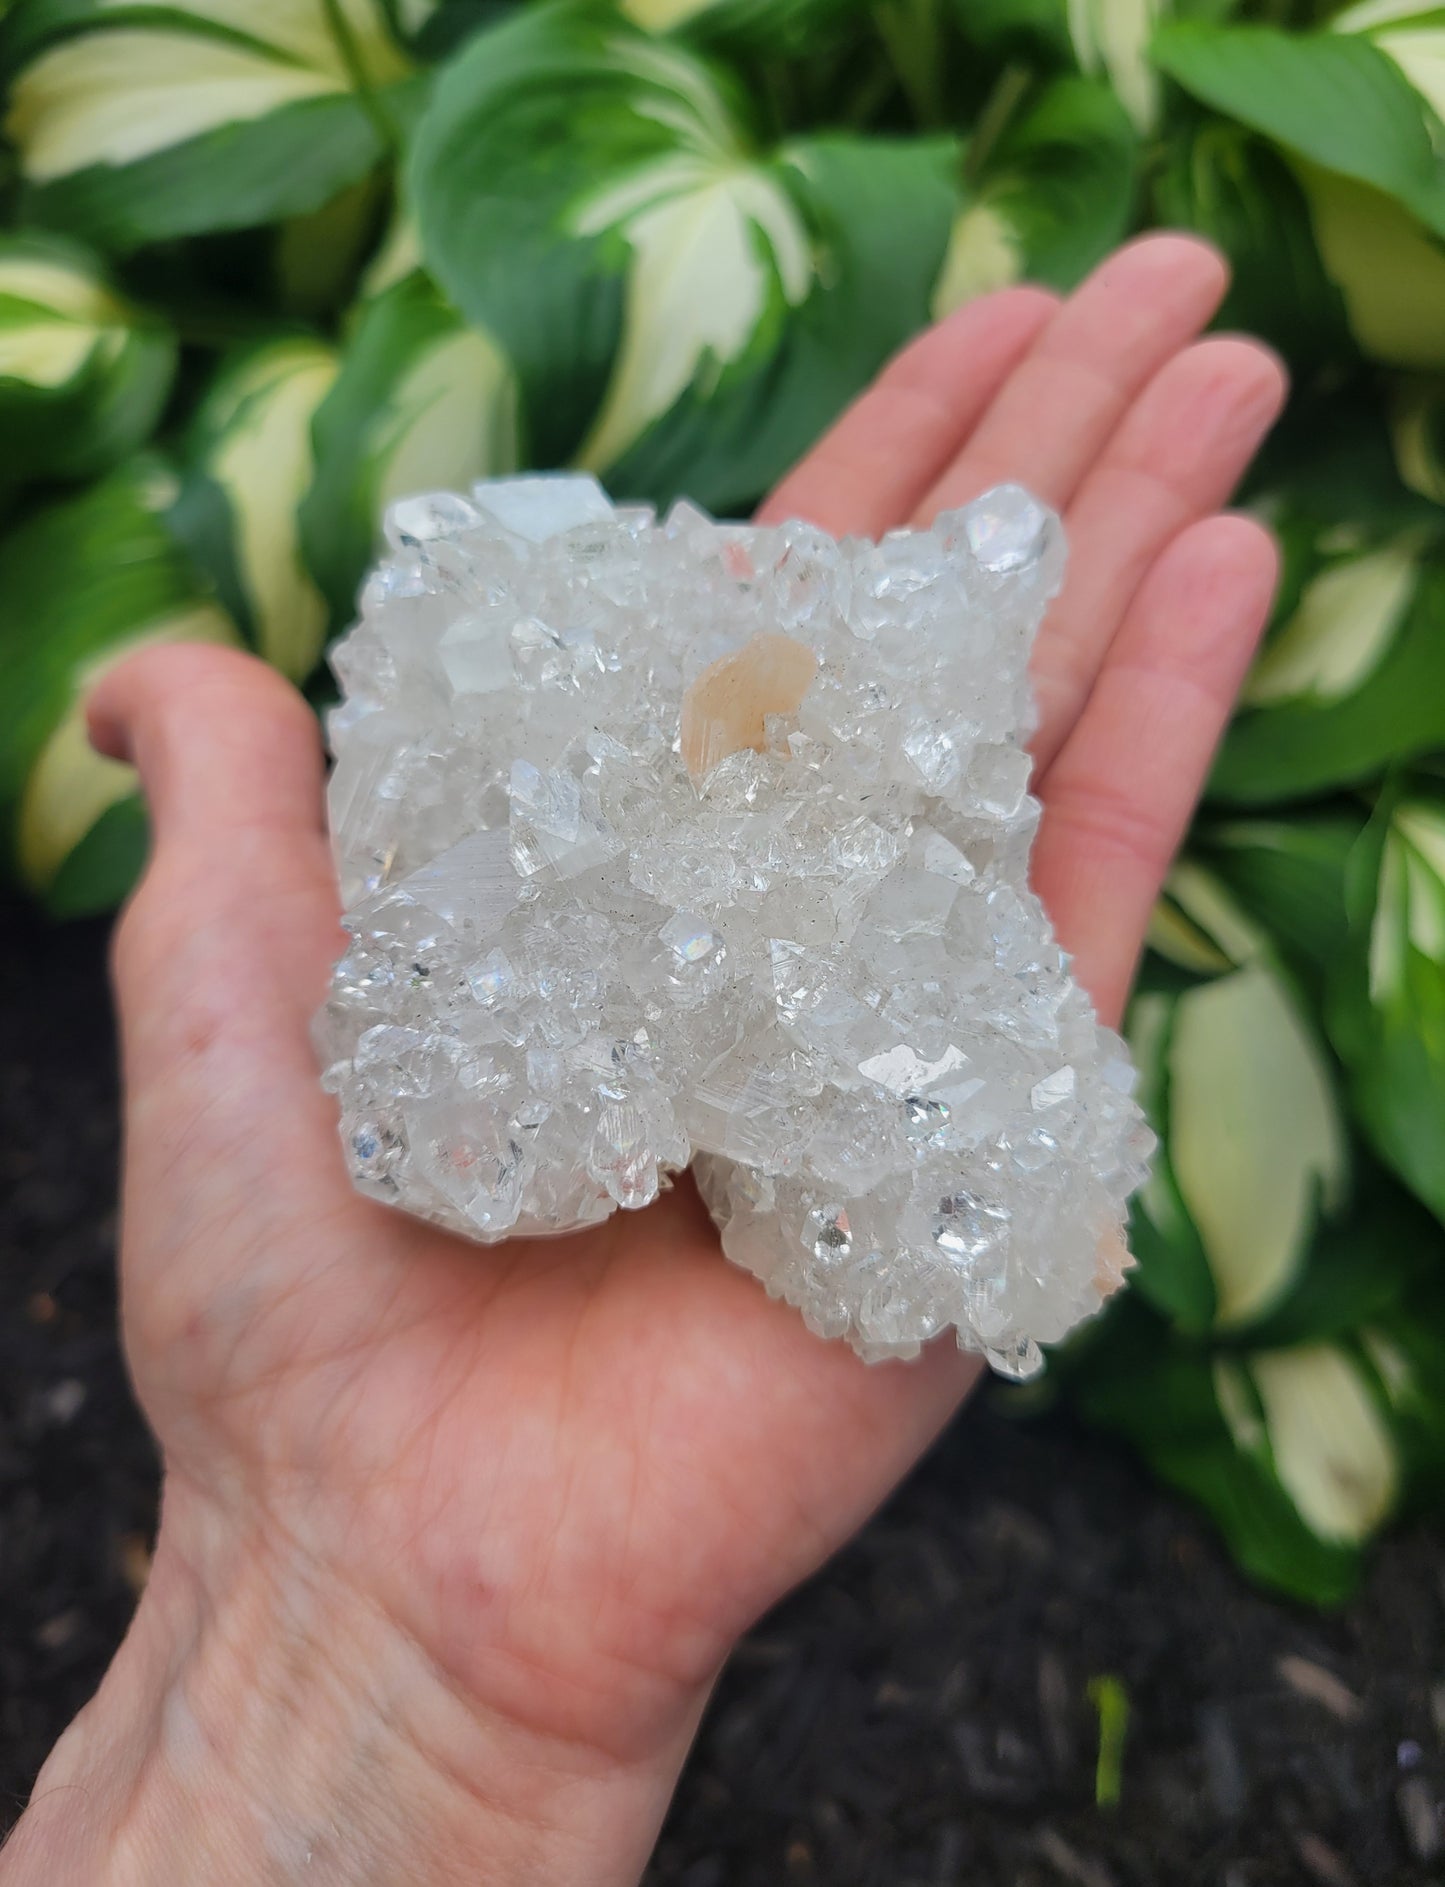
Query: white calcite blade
[[684, 841]]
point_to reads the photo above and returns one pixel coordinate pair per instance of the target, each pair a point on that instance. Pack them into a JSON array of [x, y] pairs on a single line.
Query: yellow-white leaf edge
[[1255, 1144], [1330, 1445], [71, 785], [123, 93], [263, 462]]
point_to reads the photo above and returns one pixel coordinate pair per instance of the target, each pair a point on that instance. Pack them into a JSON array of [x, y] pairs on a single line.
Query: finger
[[1118, 799], [1054, 414], [219, 738], [235, 920], [869, 472], [1176, 457]]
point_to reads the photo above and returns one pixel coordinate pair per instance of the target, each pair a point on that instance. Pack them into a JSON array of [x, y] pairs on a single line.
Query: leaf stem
[[998, 108], [866, 97], [382, 121], [912, 35]]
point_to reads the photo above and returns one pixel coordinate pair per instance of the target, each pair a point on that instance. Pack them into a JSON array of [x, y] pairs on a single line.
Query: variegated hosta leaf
[[1410, 910], [1233, 187], [714, 245], [251, 466], [1417, 431], [745, 23], [397, 256], [1289, 874], [1255, 1139], [1341, 630], [1388, 267], [1313, 1419], [1387, 1017], [1052, 198], [1295, 1467], [409, 17], [1112, 37], [135, 122], [1410, 33], [422, 403], [1331, 100], [83, 375], [1391, 273], [984, 254], [682, 307], [318, 259], [1368, 148], [1252, 1149], [84, 583], [1352, 676]]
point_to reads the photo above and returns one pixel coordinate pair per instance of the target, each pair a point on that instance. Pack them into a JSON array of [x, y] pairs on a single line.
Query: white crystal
[[538, 508], [812, 965]]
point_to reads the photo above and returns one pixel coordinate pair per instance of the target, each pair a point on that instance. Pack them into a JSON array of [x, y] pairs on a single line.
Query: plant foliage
[[267, 264]]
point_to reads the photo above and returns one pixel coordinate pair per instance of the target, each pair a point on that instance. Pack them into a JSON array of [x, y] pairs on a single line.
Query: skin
[[454, 1542]]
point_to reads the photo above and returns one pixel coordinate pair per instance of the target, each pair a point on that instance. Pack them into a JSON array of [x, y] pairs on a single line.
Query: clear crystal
[[828, 1234], [1008, 529], [812, 963]]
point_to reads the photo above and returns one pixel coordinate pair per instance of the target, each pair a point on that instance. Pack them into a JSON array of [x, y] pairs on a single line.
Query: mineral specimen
[[685, 841]]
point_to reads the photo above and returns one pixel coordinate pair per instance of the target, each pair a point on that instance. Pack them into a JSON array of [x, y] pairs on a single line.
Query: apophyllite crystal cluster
[[684, 842]]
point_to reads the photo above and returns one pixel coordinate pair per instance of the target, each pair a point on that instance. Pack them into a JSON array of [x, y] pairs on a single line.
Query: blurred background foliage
[[267, 264]]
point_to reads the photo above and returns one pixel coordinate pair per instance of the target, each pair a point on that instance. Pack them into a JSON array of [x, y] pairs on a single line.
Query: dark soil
[[919, 1716]]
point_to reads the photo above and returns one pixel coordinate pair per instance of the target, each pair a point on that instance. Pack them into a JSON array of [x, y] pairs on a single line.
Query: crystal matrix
[[688, 841]]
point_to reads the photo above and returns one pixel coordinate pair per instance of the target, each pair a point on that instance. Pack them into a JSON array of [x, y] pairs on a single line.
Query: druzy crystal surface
[[670, 842]]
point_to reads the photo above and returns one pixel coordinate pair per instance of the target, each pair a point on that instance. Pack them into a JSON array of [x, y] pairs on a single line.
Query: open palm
[[569, 1473]]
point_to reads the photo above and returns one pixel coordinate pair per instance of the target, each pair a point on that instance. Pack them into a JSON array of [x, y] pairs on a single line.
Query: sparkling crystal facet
[[699, 841]]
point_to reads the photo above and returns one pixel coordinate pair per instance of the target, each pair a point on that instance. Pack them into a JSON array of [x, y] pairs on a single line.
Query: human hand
[[455, 1540]]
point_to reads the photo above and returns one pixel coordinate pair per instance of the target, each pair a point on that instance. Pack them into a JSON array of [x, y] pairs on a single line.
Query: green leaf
[[81, 584], [1327, 480], [1255, 1142], [877, 215], [1065, 179], [1198, 1420], [1389, 270], [1171, 1268], [1406, 1350], [1230, 186], [98, 874], [1337, 102], [683, 308], [138, 122], [1053, 195], [1261, 1525], [1361, 1266], [83, 375], [791, 26], [422, 403], [1417, 432], [250, 465], [317, 258], [1027, 31], [1387, 1014], [435, 28], [1289, 874], [1411, 34], [1350, 680], [1343, 626], [1252, 1152], [1328, 1442]]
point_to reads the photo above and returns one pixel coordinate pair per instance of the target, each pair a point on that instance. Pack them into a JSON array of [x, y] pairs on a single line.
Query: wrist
[[264, 1724]]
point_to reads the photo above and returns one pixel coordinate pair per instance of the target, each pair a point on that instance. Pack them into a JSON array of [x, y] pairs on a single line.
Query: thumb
[[234, 925]]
